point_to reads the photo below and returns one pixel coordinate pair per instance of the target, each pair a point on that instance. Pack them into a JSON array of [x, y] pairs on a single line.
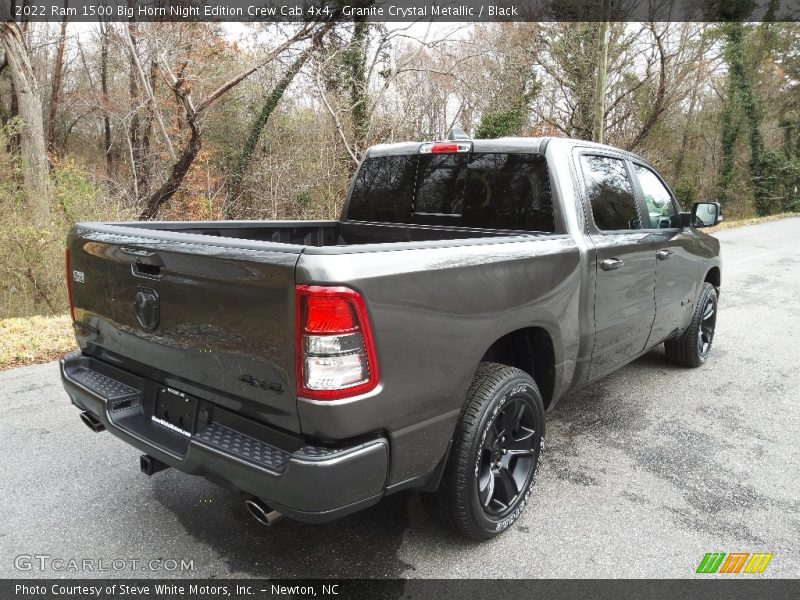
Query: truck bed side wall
[[434, 315]]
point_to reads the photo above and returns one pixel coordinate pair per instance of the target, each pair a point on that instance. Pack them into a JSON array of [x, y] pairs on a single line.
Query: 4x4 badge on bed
[[147, 309], [264, 385]]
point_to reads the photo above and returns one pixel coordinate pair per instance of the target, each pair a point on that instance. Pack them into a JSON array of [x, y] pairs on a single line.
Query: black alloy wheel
[[692, 347], [506, 459], [496, 448], [708, 321]]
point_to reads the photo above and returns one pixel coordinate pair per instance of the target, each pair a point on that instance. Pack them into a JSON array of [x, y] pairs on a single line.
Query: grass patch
[[34, 340], [750, 221]]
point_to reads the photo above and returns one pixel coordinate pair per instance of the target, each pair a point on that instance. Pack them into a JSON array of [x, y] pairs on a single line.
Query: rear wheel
[[691, 349], [495, 454]]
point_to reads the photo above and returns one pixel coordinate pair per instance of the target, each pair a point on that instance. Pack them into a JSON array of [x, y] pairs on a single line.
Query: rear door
[[209, 319], [624, 306]]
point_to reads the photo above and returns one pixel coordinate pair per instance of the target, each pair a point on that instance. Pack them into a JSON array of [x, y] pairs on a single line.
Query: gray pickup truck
[[415, 343]]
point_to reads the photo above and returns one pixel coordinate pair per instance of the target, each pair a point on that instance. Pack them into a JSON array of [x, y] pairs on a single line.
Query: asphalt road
[[643, 473]]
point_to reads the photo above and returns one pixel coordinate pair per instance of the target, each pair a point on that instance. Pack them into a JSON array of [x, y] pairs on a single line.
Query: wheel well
[[530, 350], [714, 277]]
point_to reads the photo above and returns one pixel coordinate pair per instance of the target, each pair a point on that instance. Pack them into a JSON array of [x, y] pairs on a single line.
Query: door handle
[[609, 264], [663, 254]]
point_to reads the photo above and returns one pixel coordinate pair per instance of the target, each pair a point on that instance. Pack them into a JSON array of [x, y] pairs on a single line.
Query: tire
[[691, 349], [488, 479]]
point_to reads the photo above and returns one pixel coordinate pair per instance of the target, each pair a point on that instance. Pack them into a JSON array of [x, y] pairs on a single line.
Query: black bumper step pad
[[108, 388], [245, 447]]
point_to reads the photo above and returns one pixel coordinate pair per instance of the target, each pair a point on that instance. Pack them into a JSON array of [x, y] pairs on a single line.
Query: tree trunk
[[355, 62], [261, 121], [148, 90], [138, 148], [32, 142], [602, 70], [688, 122], [104, 89], [144, 147], [55, 89], [14, 141], [659, 103], [158, 198]]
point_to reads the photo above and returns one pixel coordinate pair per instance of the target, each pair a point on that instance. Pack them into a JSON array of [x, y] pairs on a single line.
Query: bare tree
[[570, 71], [104, 44], [192, 114], [32, 143], [355, 78], [269, 106], [599, 124], [55, 86], [148, 90]]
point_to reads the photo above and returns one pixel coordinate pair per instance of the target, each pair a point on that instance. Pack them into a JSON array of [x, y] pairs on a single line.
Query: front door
[[676, 266]]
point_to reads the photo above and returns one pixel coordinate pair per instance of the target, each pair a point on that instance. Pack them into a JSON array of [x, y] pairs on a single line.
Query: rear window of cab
[[485, 190]]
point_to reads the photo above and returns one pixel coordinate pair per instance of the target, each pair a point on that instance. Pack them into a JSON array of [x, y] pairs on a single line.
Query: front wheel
[[692, 347], [495, 454]]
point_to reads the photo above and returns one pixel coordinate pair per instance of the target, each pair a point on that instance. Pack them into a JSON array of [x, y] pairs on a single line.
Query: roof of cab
[[504, 144], [507, 144]]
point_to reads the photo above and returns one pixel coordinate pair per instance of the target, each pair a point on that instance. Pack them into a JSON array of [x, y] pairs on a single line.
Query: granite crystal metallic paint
[[438, 297]]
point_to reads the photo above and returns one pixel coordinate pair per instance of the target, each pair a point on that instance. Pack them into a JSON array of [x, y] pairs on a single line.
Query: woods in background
[[268, 121]]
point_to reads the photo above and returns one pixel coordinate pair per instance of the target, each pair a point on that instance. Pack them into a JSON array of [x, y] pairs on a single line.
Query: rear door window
[[610, 193]]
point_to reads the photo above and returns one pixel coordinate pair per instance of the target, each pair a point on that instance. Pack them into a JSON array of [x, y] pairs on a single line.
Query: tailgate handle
[[145, 257], [145, 263], [136, 251], [146, 270]]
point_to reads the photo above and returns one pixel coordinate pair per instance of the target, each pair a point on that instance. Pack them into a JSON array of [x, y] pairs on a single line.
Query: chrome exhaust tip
[[262, 513], [92, 422]]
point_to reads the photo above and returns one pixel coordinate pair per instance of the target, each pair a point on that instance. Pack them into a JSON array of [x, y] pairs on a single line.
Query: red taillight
[[443, 148], [334, 347], [329, 314], [69, 286]]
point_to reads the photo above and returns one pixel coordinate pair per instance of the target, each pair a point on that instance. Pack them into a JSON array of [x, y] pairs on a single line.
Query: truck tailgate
[[198, 316]]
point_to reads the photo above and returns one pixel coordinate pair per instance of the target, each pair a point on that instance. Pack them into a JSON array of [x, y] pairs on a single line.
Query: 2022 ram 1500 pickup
[[414, 343]]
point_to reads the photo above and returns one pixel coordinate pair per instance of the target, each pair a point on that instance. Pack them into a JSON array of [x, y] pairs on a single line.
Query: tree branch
[[150, 96]]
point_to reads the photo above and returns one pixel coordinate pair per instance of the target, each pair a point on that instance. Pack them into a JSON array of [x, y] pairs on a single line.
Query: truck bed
[[317, 234], [224, 330]]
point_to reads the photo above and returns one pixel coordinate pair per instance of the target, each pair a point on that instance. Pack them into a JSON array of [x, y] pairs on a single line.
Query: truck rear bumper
[[308, 483]]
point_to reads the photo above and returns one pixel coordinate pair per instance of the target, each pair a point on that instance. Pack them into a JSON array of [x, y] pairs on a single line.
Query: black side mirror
[[704, 214]]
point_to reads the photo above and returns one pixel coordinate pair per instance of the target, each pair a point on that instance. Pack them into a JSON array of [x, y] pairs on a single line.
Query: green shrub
[[499, 124], [32, 258]]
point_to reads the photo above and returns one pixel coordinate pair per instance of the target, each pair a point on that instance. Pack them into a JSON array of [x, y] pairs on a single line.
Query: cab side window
[[660, 208], [610, 193]]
